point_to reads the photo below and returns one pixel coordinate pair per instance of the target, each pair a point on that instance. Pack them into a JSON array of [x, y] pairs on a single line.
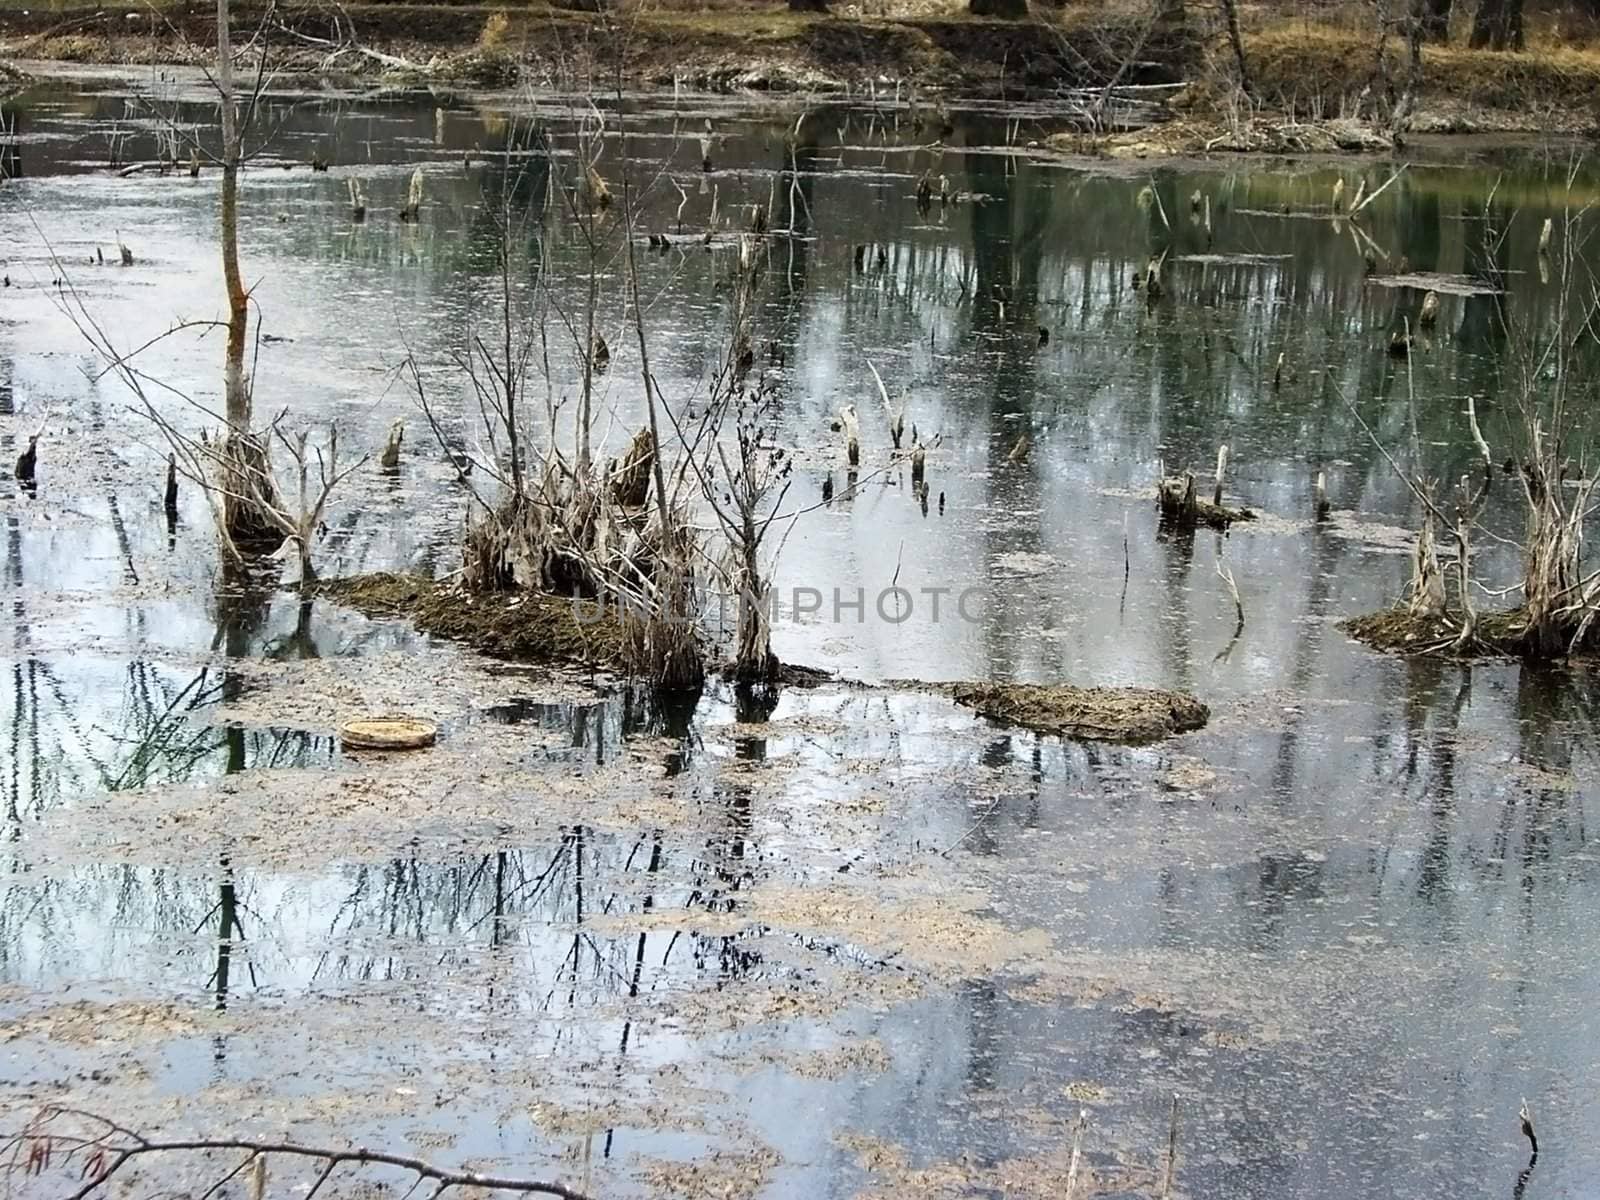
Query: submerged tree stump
[[1181, 508]]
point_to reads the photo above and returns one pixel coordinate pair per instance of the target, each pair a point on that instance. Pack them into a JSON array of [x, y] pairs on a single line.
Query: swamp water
[[866, 943]]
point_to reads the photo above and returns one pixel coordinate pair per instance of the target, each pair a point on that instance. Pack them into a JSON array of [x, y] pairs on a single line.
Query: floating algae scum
[[858, 938]]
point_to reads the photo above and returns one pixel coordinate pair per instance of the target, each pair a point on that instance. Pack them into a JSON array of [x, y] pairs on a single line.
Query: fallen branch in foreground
[[106, 1147]]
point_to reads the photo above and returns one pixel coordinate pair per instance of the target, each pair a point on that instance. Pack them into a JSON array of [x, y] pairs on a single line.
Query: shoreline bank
[[1301, 72]]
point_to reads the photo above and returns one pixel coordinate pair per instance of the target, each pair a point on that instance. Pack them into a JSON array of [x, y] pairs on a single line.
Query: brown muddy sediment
[[1399, 631], [530, 627], [1099, 713], [521, 626], [540, 628]]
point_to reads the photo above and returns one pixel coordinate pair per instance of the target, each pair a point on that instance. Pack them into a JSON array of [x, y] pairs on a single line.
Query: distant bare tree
[[246, 483], [1497, 25], [1432, 20], [1230, 13], [1011, 10]]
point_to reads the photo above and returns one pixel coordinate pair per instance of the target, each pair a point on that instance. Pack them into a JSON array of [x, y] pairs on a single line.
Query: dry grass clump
[[1308, 66], [494, 31]]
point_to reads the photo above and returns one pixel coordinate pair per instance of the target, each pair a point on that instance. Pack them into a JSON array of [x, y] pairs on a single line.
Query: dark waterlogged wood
[[169, 501], [28, 460], [1181, 508]]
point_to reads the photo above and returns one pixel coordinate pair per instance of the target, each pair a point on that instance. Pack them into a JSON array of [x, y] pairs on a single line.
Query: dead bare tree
[[746, 513], [1230, 15], [746, 495], [548, 527], [1559, 600], [666, 637], [249, 510], [1427, 580], [553, 520], [246, 480], [213, 465]]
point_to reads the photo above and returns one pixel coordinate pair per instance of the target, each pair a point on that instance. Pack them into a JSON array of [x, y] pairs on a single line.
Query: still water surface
[[1374, 878]]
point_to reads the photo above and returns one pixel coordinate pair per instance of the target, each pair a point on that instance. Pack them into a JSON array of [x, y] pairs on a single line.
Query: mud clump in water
[[1208, 134], [1397, 630], [1400, 631], [524, 626], [1106, 714]]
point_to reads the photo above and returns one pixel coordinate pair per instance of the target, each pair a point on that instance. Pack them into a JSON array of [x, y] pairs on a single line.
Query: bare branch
[[124, 1145]]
